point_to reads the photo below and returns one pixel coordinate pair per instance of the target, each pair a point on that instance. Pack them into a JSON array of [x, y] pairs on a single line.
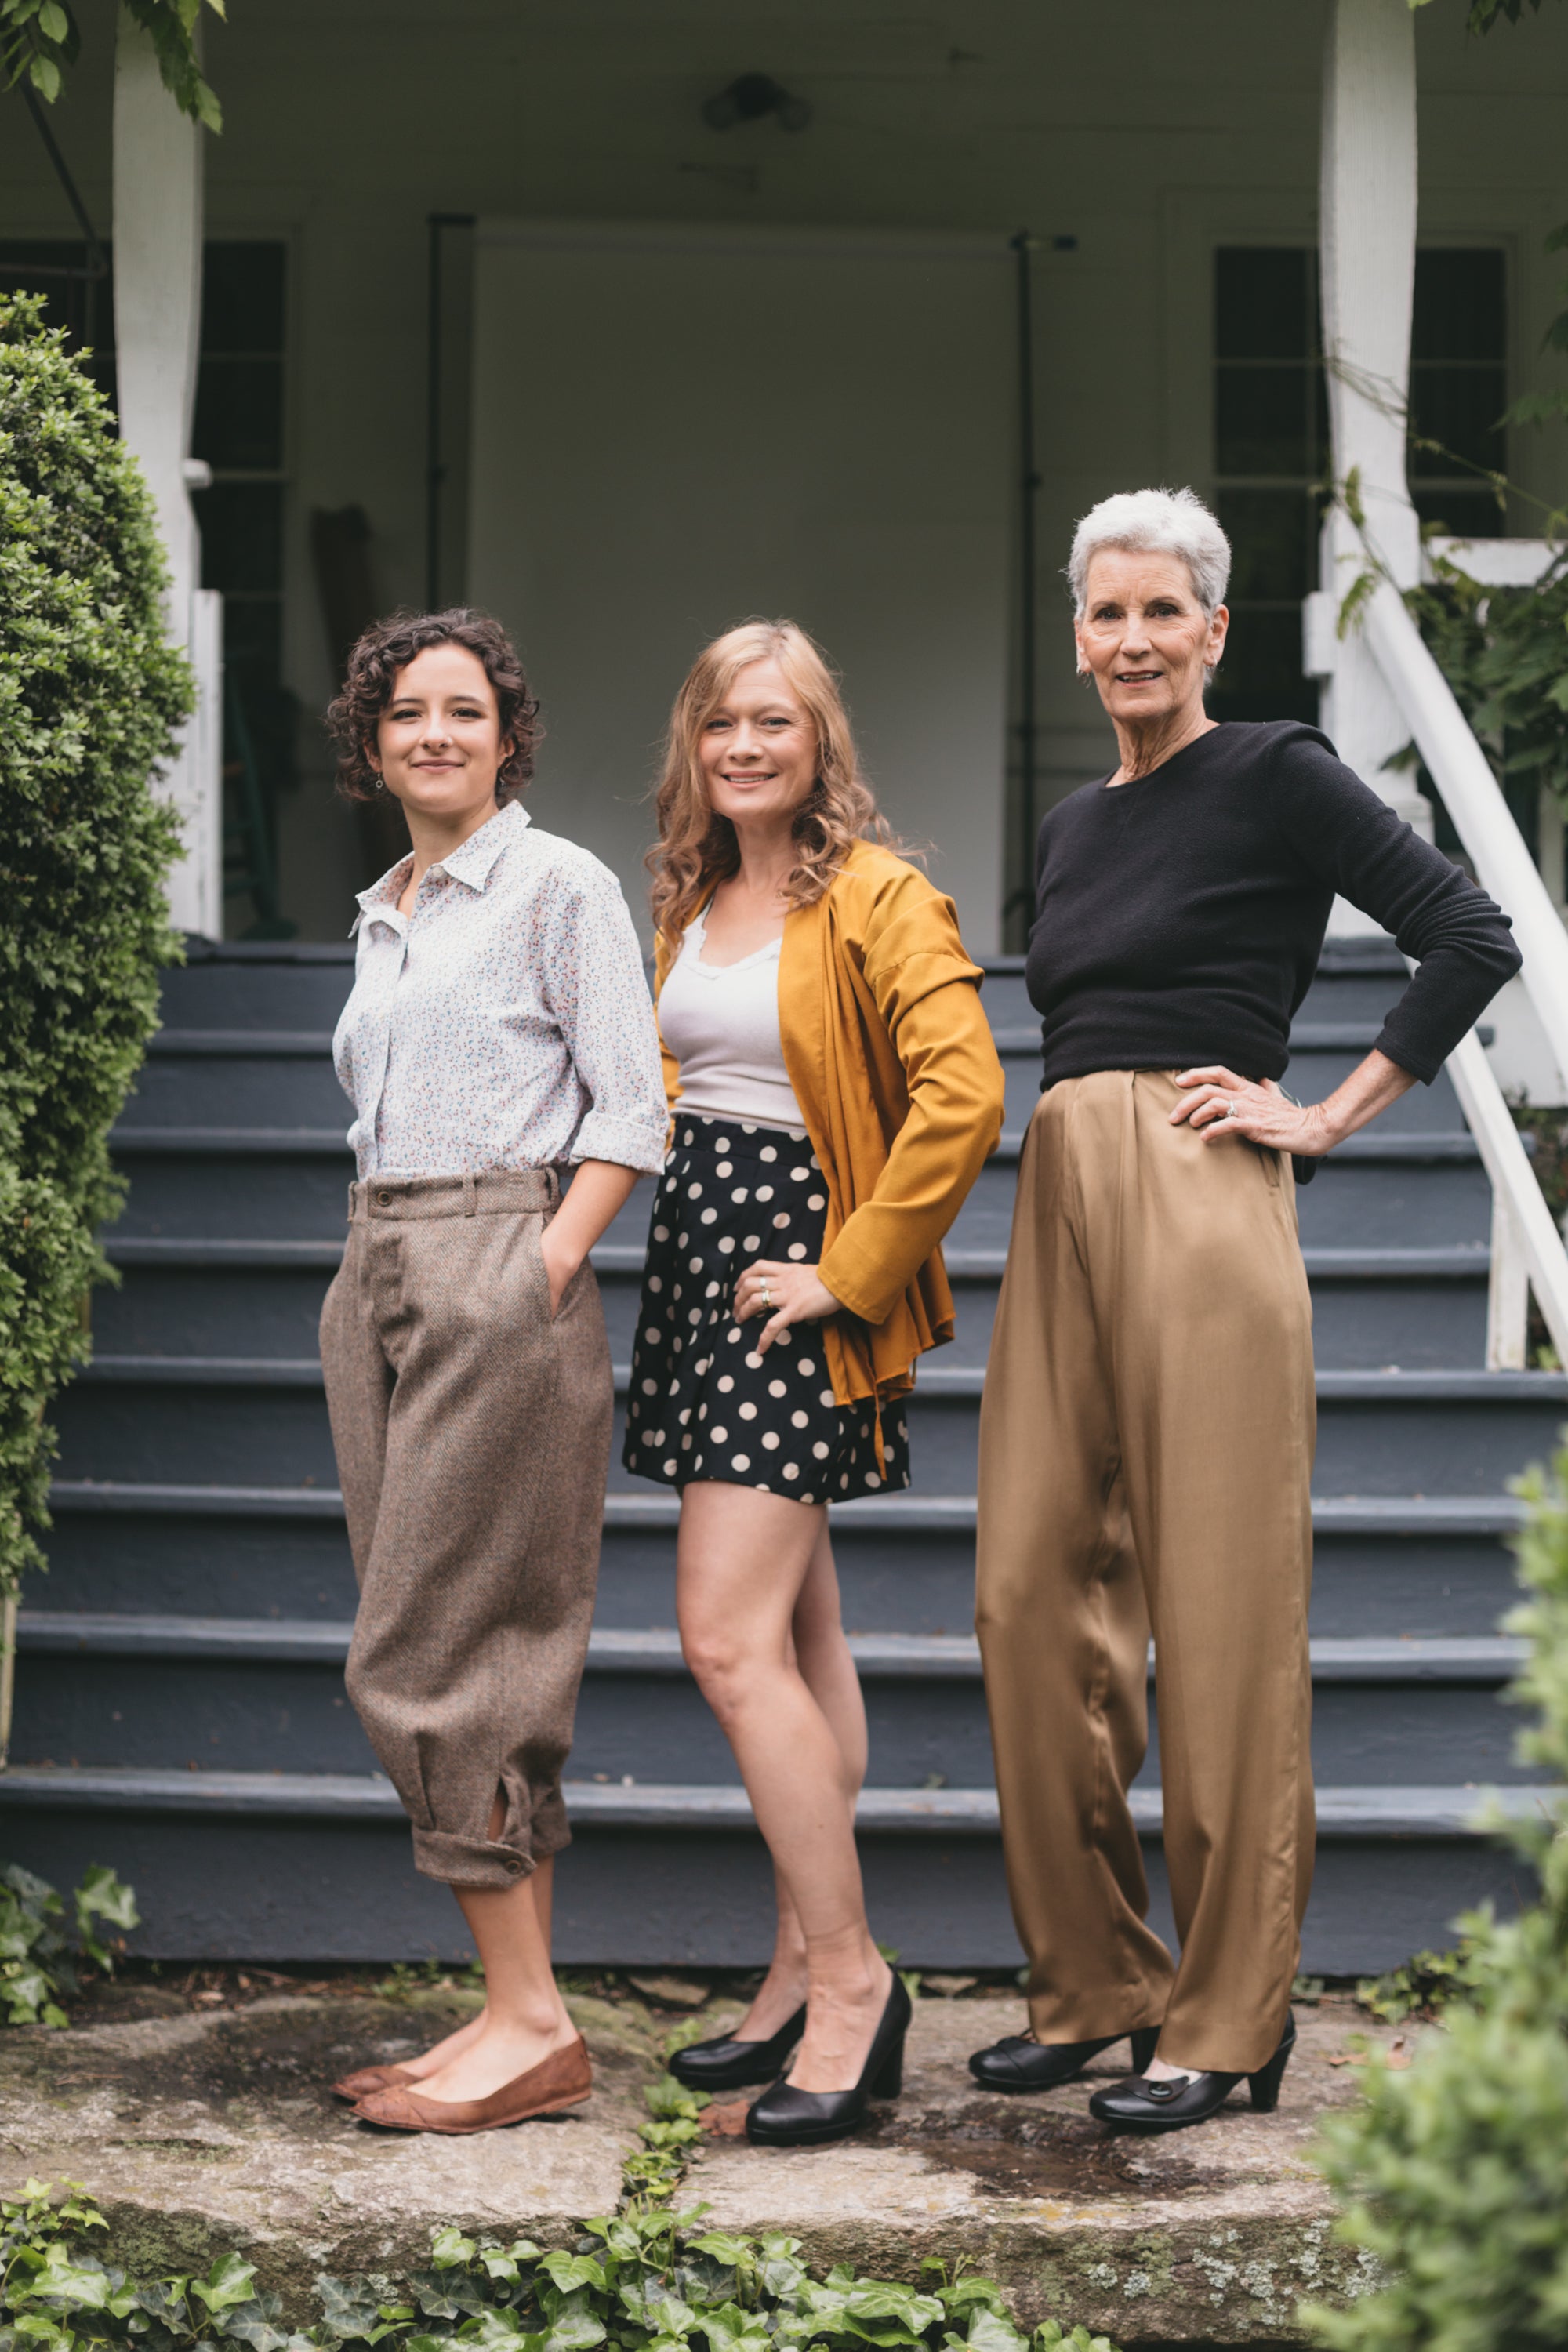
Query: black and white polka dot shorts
[[703, 1402]]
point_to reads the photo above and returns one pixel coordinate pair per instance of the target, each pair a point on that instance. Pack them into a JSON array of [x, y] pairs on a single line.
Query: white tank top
[[722, 1024]]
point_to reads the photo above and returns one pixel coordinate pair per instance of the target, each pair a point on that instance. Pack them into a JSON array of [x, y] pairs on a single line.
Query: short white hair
[[1168, 522]]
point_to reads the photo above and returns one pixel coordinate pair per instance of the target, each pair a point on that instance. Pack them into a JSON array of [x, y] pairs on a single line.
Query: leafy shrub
[[91, 695], [1423, 1988], [1456, 2170], [1504, 652], [643, 2281], [39, 1965]]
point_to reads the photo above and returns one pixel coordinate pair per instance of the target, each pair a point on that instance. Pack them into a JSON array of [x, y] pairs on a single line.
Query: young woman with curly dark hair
[[835, 1092], [499, 1032]]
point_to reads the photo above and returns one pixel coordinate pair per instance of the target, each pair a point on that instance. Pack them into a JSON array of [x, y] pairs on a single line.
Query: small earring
[[380, 780]]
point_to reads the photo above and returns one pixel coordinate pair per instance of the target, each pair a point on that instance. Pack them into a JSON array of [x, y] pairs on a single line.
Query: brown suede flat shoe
[[562, 2080], [367, 2079]]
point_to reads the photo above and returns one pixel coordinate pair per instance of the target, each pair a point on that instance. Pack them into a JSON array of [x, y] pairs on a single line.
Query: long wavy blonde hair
[[697, 847]]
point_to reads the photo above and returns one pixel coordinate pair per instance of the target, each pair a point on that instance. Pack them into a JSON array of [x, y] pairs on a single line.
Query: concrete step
[[1398, 1567], [1420, 1309], [277, 1865], [1378, 1190], [260, 1694], [263, 1420]]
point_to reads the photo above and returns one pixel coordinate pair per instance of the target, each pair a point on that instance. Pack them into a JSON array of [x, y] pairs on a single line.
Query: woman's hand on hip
[[1220, 1104], [785, 1294]]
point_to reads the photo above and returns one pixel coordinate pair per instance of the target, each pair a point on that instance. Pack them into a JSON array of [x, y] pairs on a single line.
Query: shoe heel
[[1265, 2084], [890, 2078], [1145, 2042]]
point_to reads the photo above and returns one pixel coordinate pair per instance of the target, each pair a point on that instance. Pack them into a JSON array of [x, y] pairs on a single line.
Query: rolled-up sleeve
[[599, 995]]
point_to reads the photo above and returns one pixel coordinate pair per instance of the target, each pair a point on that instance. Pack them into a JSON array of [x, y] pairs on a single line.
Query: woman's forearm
[[1370, 1088], [600, 1188]]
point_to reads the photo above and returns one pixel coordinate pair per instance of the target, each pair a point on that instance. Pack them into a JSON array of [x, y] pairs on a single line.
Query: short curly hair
[[388, 646]]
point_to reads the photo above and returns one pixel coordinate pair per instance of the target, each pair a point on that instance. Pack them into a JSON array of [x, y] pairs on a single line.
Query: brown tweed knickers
[[473, 1436]]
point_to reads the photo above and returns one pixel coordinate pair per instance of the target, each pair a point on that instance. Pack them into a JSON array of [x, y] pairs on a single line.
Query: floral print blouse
[[506, 1022]]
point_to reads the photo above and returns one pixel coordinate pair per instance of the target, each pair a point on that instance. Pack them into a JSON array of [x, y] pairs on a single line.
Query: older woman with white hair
[[1146, 1441]]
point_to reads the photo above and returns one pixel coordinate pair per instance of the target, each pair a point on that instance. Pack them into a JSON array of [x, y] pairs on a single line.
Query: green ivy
[[40, 1966], [644, 2281], [1455, 2173], [1504, 651], [90, 696], [39, 39]]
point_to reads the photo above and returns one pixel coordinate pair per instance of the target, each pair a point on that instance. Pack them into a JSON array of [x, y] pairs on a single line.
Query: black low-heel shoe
[[1019, 2063], [785, 2117], [1139, 2105], [722, 2064]]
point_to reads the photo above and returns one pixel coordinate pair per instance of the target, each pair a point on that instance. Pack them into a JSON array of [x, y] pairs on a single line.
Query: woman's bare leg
[[821, 1655], [524, 2017], [744, 1558]]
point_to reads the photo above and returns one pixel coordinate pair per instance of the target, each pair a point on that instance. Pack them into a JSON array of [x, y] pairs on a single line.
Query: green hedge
[[1455, 2173], [90, 696]]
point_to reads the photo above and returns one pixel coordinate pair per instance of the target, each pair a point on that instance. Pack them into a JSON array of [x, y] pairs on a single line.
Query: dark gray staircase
[[180, 1707]]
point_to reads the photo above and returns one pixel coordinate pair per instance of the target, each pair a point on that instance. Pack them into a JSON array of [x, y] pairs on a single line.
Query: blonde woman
[[835, 1093]]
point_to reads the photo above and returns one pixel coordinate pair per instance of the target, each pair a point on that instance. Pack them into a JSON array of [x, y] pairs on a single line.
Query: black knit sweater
[[1179, 919]]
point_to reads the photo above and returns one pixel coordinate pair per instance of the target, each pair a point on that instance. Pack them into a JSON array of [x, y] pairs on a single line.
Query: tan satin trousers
[[1145, 1455]]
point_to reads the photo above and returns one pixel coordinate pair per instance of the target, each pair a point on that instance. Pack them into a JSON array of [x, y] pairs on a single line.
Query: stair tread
[[267, 1044], [1305, 1037], [1374, 1812], [1391, 1382], [1466, 1262], [911, 1514], [305, 1142], [329, 1143], [656, 1650]]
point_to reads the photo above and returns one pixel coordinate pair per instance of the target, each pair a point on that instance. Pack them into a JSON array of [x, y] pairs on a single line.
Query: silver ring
[[1230, 1106]]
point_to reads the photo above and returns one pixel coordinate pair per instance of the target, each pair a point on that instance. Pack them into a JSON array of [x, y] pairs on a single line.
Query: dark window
[[238, 429], [1272, 457], [75, 297], [1458, 388]]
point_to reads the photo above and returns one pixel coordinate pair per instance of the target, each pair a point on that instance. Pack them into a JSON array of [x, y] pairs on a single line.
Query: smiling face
[[758, 748], [1145, 638], [439, 745]]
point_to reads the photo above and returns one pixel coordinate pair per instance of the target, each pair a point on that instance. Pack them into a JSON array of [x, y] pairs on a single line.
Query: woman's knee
[[724, 1663]]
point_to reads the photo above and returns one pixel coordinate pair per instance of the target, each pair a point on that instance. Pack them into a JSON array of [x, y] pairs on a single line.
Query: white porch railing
[[1527, 1249]]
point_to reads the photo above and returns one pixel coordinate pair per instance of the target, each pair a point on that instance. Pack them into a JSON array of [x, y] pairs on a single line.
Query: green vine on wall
[[39, 39], [91, 693]]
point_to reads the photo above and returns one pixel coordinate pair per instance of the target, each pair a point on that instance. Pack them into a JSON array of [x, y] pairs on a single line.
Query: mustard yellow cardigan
[[893, 1066]]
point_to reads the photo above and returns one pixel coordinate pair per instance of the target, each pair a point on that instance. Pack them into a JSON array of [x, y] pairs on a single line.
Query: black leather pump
[[1019, 2063], [722, 2064], [1138, 2105], [785, 2117]]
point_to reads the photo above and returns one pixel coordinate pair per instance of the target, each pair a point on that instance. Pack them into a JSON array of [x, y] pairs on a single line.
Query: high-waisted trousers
[[472, 1430], [1146, 1458]]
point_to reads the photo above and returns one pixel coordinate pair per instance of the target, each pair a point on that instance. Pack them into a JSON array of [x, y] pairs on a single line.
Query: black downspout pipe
[[1022, 896], [435, 470]]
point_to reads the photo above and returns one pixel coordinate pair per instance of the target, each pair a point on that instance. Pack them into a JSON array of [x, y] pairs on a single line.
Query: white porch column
[[157, 314], [1367, 232]]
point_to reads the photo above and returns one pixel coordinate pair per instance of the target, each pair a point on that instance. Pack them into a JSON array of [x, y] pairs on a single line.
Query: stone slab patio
[[199, 2130]]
